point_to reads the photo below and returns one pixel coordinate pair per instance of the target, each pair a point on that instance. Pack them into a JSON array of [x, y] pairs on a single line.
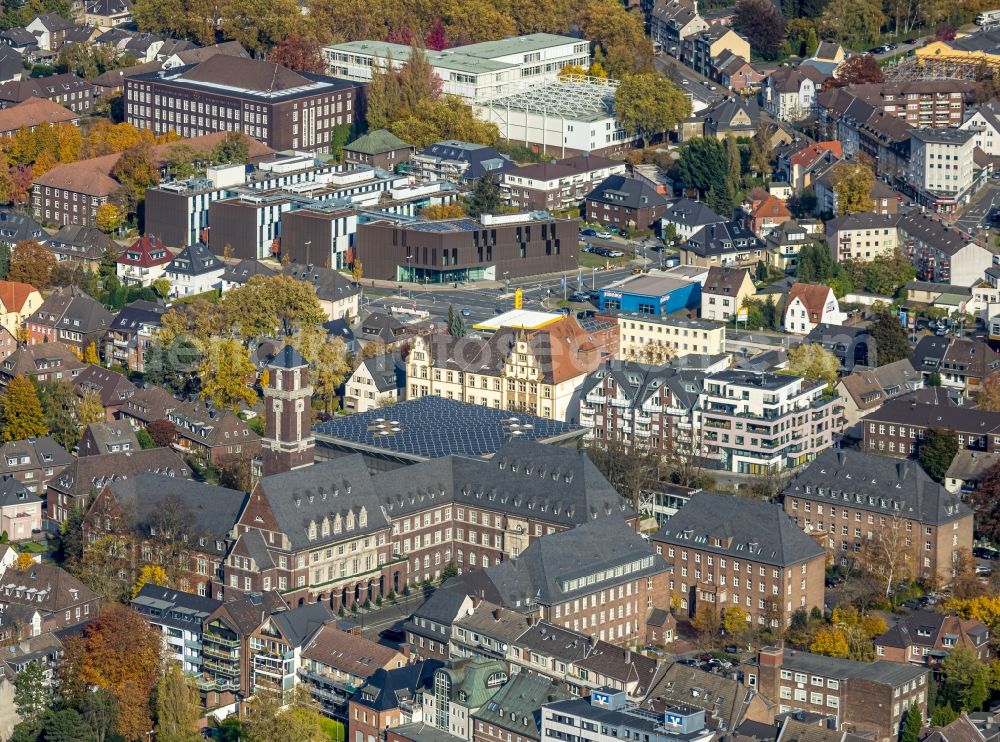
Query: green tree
[[59, 402], [456, 324], [226, 373], [418, 83], [135, 171], [943, 715], [649, 104], [966, 680], [703, 165], [89, 408], [260, 24], [889, 340], [486, 197], [912, 725], [815, 264], [447, 118], [383, 95], [65, 725], [937, 451], [619, 38], [266, 305], [177, 707], [32, 692], [145, 439], [20, 411], [814, 362]]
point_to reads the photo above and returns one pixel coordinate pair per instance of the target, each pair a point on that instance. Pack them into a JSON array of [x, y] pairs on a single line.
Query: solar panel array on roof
[[431, 427], [456, 225]]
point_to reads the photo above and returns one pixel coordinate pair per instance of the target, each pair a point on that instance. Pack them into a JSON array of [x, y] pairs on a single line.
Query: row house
[[41, 363], [672, 21], [658, 338], [600, 578], [514, 710], [71, 317], [336, 663], [851, 500], [755, 422], [866, 389], [898, 428], [210, 433], [705, 50], [632, 404], [536, 371], [927, 637], [332, 532], [868, 699], [390, 699], [112, 388], [862, 236], [961, 363], [728, 551], [942, 253], [33, 462], [58, 598], [182, 525]]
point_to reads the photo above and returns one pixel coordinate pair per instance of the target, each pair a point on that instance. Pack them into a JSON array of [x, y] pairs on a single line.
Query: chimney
[[476, 600], [405, 650], [497, 612], [770, 657]]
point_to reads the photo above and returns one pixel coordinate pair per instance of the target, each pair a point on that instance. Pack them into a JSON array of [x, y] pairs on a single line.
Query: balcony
[[596, 398], [721, 424], [223, 668], [220, 640], [210, 651]]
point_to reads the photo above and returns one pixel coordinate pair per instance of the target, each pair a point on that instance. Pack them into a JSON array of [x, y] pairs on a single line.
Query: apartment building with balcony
[[941, 167], [850, 500], [390, 699], [131, 333], [557, 185], [862, 236], [180, 617], [755, 422], [634, 404], [143, 262], [942, 253], [729, 551], [869, 699], [275, 648], [657, 338]]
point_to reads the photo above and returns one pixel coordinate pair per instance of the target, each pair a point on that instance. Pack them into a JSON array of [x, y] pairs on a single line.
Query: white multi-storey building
[[940, 167], [475, 72]]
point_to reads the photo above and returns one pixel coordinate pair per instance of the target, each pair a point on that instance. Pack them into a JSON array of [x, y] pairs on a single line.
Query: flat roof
[[431, 427], [519, 319], [588, 99], [672, 320], [649, 285]]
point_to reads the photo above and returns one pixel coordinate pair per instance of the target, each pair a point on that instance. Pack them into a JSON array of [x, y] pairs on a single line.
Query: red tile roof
[[141, 253], [13, 294], [813, 296]]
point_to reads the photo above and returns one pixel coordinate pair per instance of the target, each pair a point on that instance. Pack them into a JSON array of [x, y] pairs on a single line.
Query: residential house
[[45, 362], [33, 462], [66, 89], [30, 113], [390, 699], [785, 243], [724, 244], [111, 388], [146, 406], [213, 434], [131, 333], [985, 124], [739, 75], [724, 292], [180, 617], [83, 477], [275, 655], [143, 262], [11, 68], [461, 688], [800, 164], [20, 40], [865, 698], [516, 709], [59, 597], [967, 468], [789, 93], [335, 663], [101, 438], [755, 422], [81, 245], [16, 227], [186, 524], [763, 212], [942, 253], [18, 301], [686, 217], [734, 116], [867, 389], [658, 338], [624, 202], [430, 627], [20, 510], [849, 344], [672, 21], [942, 189], [961, 363], [378, 381], [70, 317], [732, 551], [338, 296], [885, 200], [107, 13], [706, 50], [382, 328], [886, 505], [927, 637], [50, 30], [862, 236], [195, 270], [379, 148], [557, 185], [809, 305]]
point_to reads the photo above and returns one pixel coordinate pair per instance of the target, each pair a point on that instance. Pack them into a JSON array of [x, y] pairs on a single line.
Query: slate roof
[[881, 483], [517, 706], [861, 220], [194, 260], [955, 355], [621, 664], [241, 271], [70, 308], [625, 192], [113, 387], [299, 624], [100, 437], [380, 327], [565, 168], [724, 700], [80, 242], [133, 316], [545, 573], [45, 587], [547, 483], [923, 628], [288, 357], [690, 213], [970, 465], [88, 472], [480, 158], [15, 227], [377, 142], [387, 370], [737, 527], [869, 388], [40, 359], [12, 492], [213, 510], [174, 608], [388, 689], [641, 381], [44, 87], [722, 238], [724, 281], [435, 615], [330, 284], [41, 452], [944, 238]]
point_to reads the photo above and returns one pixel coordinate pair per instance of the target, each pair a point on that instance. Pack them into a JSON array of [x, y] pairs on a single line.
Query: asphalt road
[[699, 86], [903, 48], [975, 217]]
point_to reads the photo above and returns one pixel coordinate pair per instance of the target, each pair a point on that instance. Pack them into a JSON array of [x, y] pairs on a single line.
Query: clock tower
[[288, 442]]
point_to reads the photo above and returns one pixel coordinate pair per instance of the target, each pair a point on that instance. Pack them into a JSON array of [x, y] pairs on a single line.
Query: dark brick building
[[467, 249], [285, 109], [288, 442], [898, 428]]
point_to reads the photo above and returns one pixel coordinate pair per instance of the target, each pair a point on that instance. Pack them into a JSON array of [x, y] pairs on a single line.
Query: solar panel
[[431, 427]]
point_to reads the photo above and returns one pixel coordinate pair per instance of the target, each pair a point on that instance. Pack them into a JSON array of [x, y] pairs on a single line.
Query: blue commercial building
[[648, 294]]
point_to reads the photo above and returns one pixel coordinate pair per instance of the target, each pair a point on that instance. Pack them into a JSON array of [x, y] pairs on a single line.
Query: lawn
[[590, 260]]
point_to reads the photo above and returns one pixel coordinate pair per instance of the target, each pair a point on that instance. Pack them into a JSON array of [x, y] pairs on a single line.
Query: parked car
[[877, 50], [986, 552], [588, 232], [579, 296], [615, 254], [910, 41], [588, 248], [466, 312], [891, 47], [604, 235]]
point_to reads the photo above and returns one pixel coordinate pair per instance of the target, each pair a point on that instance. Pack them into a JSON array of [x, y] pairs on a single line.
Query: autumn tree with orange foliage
[[299, 53], [31, 263], [443, 211], [121, 654]]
